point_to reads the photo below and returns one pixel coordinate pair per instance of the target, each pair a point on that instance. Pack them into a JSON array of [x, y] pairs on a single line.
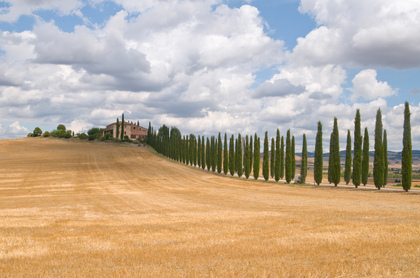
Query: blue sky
[[208, 66]]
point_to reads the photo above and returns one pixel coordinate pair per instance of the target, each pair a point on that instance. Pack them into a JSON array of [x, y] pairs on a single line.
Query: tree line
[[241, 155]]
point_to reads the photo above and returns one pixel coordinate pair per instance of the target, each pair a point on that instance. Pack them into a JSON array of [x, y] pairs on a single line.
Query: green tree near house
[[347, 167], [266, 165], [365, 159], [272, 157], [225, 156], [304, 162], [293, 157], [318, 160], [122, 127], [357, 157], [288, 164], [118, 129], [278, 153], [232, 155], [378, 159], [407, 152], [385, 146], [256, 170]]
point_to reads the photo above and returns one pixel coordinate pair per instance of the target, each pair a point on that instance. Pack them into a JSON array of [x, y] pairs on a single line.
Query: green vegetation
[[232, 155], [225, 156], [288, 164], [256, 170], [385, 146], [347, 168], [318, 163], [407, 154], [272, 158], [239, 160], [266, 158], [357, 158], [278, 153], [365, 159], [378, 159], [304, 163]]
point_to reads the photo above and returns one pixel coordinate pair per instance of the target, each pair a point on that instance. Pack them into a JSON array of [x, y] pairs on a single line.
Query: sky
[[209, 66]]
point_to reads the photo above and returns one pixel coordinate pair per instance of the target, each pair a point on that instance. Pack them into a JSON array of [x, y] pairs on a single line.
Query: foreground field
[[104, 210]]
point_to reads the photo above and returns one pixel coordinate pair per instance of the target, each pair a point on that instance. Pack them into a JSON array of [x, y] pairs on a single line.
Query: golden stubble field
[[81, 209]]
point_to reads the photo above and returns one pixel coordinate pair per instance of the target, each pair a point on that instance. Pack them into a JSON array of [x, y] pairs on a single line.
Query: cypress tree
[[282, 158], [336, 173], [251, 153], [357, 158], [293, 158], [318, 161], [239, 156], [288, 164], [272, 158], [256, 170], [213, 153], [304, 163], [246, 158], [187, 150], [219, 154], [122, 127], [385, 144], [277, 163], [365, 159], [118, 129], [199, 152], [232, 155], [203, 153], [347, 168], [378, 159], [407, 152], [266, 169], [149, 134], [225, 156], [208, 157], [330, 159]]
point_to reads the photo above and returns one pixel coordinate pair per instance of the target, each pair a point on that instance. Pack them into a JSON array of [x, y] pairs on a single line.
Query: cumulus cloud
[[366, 86], [13, 130], [362, 33]]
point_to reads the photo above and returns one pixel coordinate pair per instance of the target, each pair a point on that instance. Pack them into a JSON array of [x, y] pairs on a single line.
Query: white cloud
[[366, 86], [362, 33], [14, 130]]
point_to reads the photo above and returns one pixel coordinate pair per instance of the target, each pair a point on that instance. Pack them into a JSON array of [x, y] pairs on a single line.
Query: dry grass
[[98, 210]]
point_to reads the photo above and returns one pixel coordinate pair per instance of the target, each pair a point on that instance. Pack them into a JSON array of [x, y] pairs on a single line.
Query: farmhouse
[[133, 131]]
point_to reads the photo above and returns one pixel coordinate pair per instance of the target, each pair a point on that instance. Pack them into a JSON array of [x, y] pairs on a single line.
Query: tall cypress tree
[[122, 127], [385, 144], [199, 152], [331, 158], [357, 158], [232, 155], [219, 154], [293, 158], [208, 156], [347, 168], [272, 158], [336, 173], [256, 170], [118, 129], [246, 158], [266, 168], [251, 153], [239, 156], [288, 164], [282, 158], [407, 152], [378, 159], [365, 159], [318, 161], [213, 153], [304, 163], [203, 153], [225, 156], [277, 163], [187, 150]]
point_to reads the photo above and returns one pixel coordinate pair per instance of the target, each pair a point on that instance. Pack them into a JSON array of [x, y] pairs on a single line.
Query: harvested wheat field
[[82, 209]]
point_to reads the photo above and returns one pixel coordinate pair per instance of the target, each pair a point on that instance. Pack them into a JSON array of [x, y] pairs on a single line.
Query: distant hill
[[394, 158]]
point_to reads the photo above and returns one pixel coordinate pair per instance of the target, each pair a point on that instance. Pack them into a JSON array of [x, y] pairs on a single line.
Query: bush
[[37, 132], [30, 134], [92, 137], [46, 134], [62, 133], [68, 134], [61, 127], [107, 136], [55, 133], [82, 136]]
